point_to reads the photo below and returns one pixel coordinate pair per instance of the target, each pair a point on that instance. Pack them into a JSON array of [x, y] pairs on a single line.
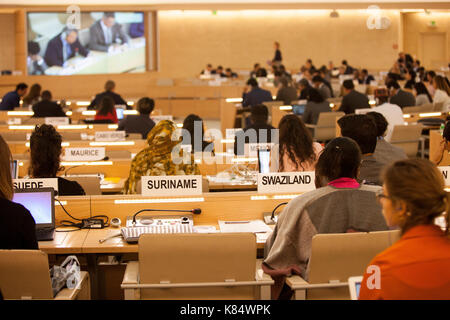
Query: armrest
[[72, 294], [131, 275], [260, 275], [296, 281]]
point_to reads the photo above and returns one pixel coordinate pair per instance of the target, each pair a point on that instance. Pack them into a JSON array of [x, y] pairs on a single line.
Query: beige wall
[[188, 42], [7, 36], [417, 23]]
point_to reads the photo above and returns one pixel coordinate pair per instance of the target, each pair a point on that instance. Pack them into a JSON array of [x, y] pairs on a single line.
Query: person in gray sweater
[[385, 152], [339, 205]]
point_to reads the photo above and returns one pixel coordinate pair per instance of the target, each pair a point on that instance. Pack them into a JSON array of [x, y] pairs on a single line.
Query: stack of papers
[[253, 226]]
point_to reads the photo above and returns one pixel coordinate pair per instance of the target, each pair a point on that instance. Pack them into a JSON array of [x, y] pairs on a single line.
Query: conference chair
[[90, 185], [24, 274], [14, 136], [335, 258], [438, 106], [70, 136], [196, 266], [325, 129], [429, 107], [408, 138]]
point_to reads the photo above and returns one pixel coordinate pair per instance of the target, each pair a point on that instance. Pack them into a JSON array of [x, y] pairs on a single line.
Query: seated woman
[[418, 265], [296, 150], [444, 145], [193, 125], [422, 94], [156, 159], [442, 92], [17, 226], [45, 153], [106, 112], [338, 205]]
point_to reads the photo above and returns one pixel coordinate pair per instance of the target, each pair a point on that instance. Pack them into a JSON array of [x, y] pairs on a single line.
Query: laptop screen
[[119, 112], [14, 169], [40, 203], [298, 109]]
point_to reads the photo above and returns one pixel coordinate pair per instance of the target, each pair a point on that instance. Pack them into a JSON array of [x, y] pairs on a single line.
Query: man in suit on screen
[[63, 47], [105, 33]]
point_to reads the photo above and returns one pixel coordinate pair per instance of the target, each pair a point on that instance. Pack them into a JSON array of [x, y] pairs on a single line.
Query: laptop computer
[[15, 169], [354, 285], [41, 204], [298, 109]]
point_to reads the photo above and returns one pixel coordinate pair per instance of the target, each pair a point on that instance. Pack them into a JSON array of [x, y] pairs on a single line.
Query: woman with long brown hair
[[296, 149], [17, 226], [418, 265], [33, 96]]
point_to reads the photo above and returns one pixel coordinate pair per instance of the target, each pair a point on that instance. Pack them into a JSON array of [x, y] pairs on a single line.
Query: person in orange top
[[107, 111], [418, 265]]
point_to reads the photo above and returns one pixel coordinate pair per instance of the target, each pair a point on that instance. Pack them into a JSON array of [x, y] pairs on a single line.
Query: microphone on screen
[[73, 167]]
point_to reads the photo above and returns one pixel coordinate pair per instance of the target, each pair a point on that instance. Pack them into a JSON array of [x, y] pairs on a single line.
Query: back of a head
[[252, 82], [33, 48], [6, 186], [393, 84], [314, 95], [424, 204], [304, 83], [46, 95], [317, 79], [344, 62], [284, 82], [380, 122], [109, 14], [106, 106], [340, 158], [259, 113], [361, 129], [446, 133], [348, 84], [145, 105], [422, 89], [189, 124], [110, 85], [441, 84], [21, 86], [45, 151], [35, 91], [295, 140]]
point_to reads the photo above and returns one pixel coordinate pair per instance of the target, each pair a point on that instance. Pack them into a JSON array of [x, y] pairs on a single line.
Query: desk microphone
[[273, 212], [73, 167], [194, 211]]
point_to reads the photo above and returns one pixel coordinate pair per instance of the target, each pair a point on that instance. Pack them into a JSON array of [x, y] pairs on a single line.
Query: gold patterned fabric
[[156, 159]]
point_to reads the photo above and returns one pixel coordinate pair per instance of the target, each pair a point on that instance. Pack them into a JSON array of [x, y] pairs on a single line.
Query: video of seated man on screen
[[105, 42]]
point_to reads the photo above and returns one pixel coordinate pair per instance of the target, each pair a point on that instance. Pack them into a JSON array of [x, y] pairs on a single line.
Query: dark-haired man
[[141, 123], [365, 77], [47, 108], [106, 33], [400, 97], [321, 87], [254, 95], [11, 100], [35, 63], [362, 129], [352, 99]]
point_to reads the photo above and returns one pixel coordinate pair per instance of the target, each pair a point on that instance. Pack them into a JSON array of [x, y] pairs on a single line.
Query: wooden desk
[[90, 129], [65, 242]]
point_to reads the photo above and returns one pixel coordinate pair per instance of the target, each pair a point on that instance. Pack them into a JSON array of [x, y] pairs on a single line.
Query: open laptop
[[15, 169], [41, 204], [354, 285], [298, 109]]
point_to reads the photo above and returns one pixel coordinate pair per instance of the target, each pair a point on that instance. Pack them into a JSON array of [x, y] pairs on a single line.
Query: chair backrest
[[343, 255], [14, 136], [134, 136], [118, 154], [429, 107], [24, 274], [326, 125], [407, 137], [438, 106], [71, 136], [90, 185], [196, 258]]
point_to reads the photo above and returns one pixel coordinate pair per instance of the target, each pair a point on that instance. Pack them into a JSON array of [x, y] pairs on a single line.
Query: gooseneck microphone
[[273, 212], [73, 167], [194, 211]]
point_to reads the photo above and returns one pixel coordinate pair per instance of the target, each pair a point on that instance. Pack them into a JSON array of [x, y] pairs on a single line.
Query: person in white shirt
[[442, 92], [422, 94], [392, 112]]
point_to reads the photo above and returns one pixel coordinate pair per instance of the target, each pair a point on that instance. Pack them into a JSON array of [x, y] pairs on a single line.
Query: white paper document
[[254, 226]]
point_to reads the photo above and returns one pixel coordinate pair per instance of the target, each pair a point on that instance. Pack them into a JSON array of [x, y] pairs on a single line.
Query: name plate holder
[[110, 136], [286, 182], [172, 185], [84, 154], [446, 174], [36, 183], [57, 121]]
